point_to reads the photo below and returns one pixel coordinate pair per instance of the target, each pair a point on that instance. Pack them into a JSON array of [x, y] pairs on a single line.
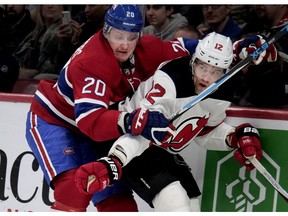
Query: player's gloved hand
[[150, 124], [246, 140], [246, 46], [96, 176]]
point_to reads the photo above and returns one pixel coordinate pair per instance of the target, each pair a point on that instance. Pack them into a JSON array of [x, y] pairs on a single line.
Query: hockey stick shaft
[[239, 66], [269, 177]]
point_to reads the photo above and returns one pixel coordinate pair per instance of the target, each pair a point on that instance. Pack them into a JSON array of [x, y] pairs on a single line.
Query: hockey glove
[[246, 46], [150, 124], [246, 140], [96, 176]]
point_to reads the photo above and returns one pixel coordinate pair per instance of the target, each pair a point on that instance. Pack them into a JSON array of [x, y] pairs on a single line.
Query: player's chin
[[122, 57], [199, 89]]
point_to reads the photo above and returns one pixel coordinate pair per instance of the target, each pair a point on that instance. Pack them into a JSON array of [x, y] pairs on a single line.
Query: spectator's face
[[267, 13], [95, 13], [14, 10], [52, 12], [205, 75], [157, 15], [215, 14], [122, 43]]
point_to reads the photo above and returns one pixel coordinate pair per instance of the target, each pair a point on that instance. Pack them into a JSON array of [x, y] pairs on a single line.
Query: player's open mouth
[[202, 85], [121, 54]]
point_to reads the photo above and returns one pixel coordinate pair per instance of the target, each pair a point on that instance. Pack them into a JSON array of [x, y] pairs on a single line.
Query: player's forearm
[[216, 139], [127, 147]]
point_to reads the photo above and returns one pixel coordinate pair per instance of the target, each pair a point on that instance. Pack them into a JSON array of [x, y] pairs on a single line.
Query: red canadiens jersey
[[92, 80]]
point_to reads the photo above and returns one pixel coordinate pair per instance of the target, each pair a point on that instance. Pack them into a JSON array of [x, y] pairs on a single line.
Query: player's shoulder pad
[[179, 71]]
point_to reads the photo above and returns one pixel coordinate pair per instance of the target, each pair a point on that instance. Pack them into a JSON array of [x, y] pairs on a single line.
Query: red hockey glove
[[244, 47], [96, 176], [246, 140], [150, 124]]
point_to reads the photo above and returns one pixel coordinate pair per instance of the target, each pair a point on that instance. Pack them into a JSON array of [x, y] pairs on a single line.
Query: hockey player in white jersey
[[174, 84]]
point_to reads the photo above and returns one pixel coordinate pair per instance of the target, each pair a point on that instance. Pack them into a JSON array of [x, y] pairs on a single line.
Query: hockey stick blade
[[269, 177], [239, 66]]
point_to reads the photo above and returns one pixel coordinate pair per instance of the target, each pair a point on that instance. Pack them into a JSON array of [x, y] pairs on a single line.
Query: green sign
[[228, 187]]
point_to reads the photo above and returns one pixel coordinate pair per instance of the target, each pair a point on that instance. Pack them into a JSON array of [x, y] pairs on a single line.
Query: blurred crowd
[[35, 44]]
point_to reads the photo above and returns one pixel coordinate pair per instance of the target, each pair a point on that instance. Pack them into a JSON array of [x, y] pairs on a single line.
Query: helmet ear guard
[[192, 61], [106, 29], [191, 64]]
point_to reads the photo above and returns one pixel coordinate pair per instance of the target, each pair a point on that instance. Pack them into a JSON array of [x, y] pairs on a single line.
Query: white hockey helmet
[[215, 49]]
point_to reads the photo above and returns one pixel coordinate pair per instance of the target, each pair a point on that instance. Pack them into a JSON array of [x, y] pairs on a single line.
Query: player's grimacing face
[[205, 75], [122, 43]]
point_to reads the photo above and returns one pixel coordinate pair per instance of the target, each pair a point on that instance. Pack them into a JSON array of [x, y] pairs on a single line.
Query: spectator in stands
[[193, 13], [32, 10], [37, 52], [94, 15], [187, 31], [217, 18], [94, 21], [163, 22], [266, 85], [15, 25], [8, 68], [77, 12], [241, 14]]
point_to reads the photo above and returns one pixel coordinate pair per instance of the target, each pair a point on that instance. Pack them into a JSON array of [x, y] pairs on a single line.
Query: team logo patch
[[185, 132], [69, 150]]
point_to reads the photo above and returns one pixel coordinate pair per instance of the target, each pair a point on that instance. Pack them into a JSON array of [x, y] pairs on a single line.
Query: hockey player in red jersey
[[70, 119], [173, 85]]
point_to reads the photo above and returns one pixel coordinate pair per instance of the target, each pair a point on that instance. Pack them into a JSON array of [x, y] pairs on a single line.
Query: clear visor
[[202, 69]]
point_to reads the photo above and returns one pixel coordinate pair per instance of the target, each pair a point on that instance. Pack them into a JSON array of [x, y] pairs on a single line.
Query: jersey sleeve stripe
[[52, 109]]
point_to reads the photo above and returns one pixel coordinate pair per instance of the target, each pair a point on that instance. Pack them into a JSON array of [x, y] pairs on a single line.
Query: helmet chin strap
[[106, 29], [128, 67]]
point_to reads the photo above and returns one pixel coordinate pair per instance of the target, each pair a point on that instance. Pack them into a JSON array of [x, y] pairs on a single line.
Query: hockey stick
[[239, 66], [268, 176]]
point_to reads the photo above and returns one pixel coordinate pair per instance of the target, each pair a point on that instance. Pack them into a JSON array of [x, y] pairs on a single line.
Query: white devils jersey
[[203, 123]]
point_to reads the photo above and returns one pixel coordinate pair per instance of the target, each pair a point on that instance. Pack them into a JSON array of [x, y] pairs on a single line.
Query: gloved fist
[[96, 176], [150, 124], [246, 46], [246, 140]]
